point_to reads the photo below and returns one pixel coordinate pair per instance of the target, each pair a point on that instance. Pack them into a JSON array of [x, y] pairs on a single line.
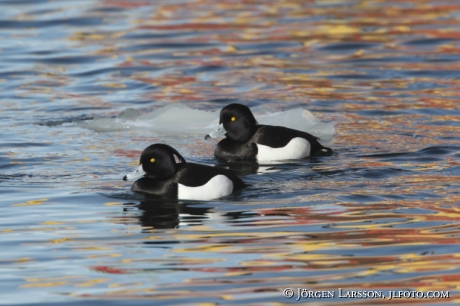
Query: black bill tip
[[125, 178], [207, 137]]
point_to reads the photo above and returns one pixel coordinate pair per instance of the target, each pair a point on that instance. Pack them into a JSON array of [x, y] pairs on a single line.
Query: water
[[86, 85]]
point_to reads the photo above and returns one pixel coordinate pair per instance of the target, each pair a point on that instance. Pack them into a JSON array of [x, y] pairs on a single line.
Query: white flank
[[297, 148], [217, 187]]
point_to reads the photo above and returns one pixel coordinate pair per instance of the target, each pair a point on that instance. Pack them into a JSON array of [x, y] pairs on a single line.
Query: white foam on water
[[179, 119]]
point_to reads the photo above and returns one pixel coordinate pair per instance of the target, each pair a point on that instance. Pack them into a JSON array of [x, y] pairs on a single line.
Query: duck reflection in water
[[159, 213], [243, 168], [164, 214]]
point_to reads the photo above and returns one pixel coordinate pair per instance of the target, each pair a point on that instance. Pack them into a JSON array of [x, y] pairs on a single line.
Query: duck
[[245, 139], [159, 174]]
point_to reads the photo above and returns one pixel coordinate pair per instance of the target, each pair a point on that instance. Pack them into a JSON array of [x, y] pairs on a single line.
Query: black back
[[280, 136]]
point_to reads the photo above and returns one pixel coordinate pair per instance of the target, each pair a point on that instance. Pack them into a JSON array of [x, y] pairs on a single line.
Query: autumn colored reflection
[[86, 85]]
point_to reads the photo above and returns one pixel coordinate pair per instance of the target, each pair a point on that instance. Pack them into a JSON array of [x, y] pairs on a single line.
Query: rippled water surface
[[86, 85]]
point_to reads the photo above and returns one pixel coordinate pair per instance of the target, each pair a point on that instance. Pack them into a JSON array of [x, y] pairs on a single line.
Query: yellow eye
[[233, 118], [152, 160]]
